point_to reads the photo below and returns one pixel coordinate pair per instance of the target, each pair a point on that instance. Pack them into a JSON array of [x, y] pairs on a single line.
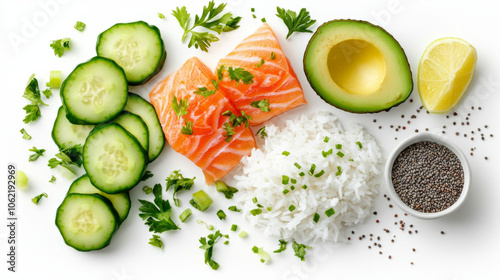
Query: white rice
[[350, 194]]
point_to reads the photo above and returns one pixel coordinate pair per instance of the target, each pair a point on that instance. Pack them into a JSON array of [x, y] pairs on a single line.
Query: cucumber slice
[[136, 126], [66, 134], [96, 91], [113, 159], [120, 201], [87, 221], [135, 46], [139, 106]]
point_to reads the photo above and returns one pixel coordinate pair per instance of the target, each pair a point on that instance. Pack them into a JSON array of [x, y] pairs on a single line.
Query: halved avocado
[[357, 67]]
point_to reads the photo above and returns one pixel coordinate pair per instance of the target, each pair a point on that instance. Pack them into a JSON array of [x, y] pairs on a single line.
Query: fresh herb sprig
[[294, 22], [300, 250], [37, 153], [207, 244], [178, 183], [66, 157], [211, 20], [32, 93], [60, 46], [157, 215]]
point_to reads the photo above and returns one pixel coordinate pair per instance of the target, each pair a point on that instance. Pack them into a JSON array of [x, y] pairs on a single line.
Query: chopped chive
[[234, 209], [338, 146], [326, 139], [160, 15], [254, 200], [294, 181], [285, 153], [304, 187], [269, 208], [273, 55], [243, 234], [297, 165], [80, 26], [285, 179], [316, 217], [359, 145], [263, 19], [291, 208], [37, 198], [285, 191], [319, 173], [340, 154], [292, 188], [209, 227], [234, 227], [52, 179], [147, 189], [255, 249], [25, 134], [252, 9], [351, 160], [184, 215], [254, 16], [221, 215], [311, 171], [301, 174], [226, 242], [262, 61], [327, 153], [329, 212], [260, 205], [339, 171], [256, 211]]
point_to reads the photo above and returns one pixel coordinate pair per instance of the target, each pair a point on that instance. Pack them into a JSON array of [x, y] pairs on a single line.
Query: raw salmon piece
[[274, 80], [207, 146]]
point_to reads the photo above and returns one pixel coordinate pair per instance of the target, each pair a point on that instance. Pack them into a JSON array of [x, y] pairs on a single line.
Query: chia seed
[[428, 177]]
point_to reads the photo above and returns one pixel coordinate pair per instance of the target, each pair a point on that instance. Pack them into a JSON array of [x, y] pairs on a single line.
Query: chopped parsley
[[47, 93], [300, 250], [52, 179], [208, 246], [32, 93], [282, 244], [273, 55], [234, 227], [261, 62], [203, 91], [326, 139], [316, 217], [37, 198], [180, 106], [234, 121], [66, 157], [187, 129], [240, 75], [234, 209], [157, 215], [178, 183], [262, 132], [148, 174], [291, 208], [25, 134], [160, 15], [222, 187], [60, 46], [156, 241], [286, 153], [37, 153], [263, 105], [294, 22], [203, 39]]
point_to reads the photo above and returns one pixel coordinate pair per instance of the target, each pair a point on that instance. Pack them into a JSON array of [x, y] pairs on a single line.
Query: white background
[[469, 249]]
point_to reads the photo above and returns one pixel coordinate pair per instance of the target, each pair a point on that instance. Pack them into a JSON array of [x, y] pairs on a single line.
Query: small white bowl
[[439, 140]]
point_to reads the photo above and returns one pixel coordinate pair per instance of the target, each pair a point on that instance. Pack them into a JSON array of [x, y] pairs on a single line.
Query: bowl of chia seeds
[[427, 176]]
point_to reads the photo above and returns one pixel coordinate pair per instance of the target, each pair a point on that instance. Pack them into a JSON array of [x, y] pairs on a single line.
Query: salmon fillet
[[207, 147], [274, 80]]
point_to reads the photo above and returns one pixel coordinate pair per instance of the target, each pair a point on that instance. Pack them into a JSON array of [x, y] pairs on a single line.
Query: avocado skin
[[345, 109]]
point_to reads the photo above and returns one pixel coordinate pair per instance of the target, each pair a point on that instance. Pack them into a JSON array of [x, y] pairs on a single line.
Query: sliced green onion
[[351, 160], [339, 171], [273, 55], [226, 242], [234, 208], [292, 188], [234, 227], [297, 165], [311, 171], [228, 191], [359, 145], [147, 189], [269, 208], [319, 173], [291, 207], [185, 214], [316, 217], [254, 16], [55, 79], [285, 153], [338, 146], [329, 212], [243, 234], [209, 227], [53, 179], [254, 200], [304, 187], [256, 211], [201, 200], [264, 256], [340, 154], [285, 179], [25, 134], [285, 191], [327, 153], [21, 180], [255, 249], [80, 26], [301, 174], [37, 198], [294, 181], [260, 205], [221, 215], [326, 139]]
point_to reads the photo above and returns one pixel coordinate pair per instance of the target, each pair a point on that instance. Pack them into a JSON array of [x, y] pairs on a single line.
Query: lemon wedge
[[445, 72]]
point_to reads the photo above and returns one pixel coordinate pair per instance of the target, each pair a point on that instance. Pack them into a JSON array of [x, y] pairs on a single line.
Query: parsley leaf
[[37, 153], [156, 241], [180, 107], [47, 93], [69, 156], [262, 61], [208, 246], [234, 121], [222, 187], [178, 183], [229, 131], [37, 198], [203, 91], [32, 93], [25, 134], [282, 247], [263, 105], [203, 40], [148, 174], [59, 46], [188, 128], [273, 55], [160, 15], [52, 179], [80, 26], [32, 113], [300, 250], [294, 22], [157, 215], [262, 132], [240, 74]]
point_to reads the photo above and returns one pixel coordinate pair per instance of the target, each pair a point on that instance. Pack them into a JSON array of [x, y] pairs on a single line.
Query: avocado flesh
[[357, 67]]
